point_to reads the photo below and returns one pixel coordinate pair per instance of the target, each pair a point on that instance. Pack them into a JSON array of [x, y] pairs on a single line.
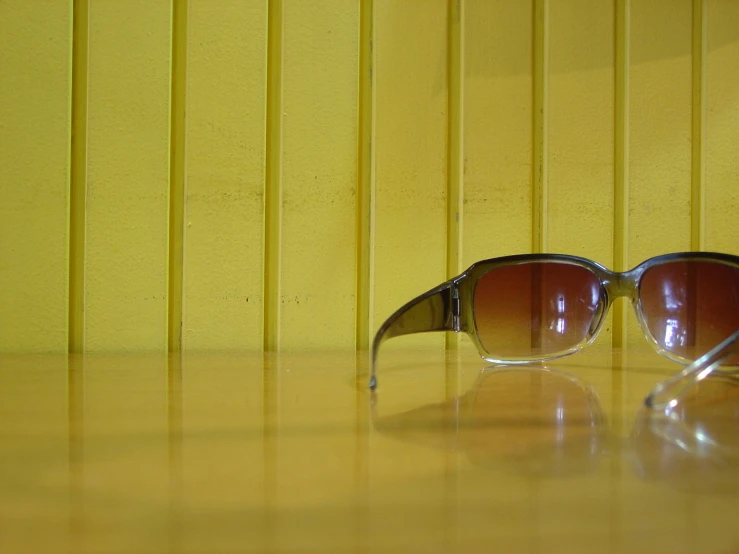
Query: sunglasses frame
[[450, 306]]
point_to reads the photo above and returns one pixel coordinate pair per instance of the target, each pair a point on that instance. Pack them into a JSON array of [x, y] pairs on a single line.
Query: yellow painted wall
[[283, 174], [35, 48]]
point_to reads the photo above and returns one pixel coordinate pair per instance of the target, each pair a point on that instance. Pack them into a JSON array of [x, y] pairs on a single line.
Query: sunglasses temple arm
[[668, 393], [432, 311]]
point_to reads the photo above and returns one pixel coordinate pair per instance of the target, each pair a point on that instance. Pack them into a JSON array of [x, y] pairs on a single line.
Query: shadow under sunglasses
[[544, 423]]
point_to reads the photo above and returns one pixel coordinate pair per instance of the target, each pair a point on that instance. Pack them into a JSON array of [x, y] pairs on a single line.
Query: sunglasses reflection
[[533, 420], [694, 446], [542, 422]]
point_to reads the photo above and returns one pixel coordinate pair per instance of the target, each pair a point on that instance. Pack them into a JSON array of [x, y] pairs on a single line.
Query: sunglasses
[[536, 307]]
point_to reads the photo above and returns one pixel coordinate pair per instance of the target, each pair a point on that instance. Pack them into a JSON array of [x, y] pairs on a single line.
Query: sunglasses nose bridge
[[619, 285]]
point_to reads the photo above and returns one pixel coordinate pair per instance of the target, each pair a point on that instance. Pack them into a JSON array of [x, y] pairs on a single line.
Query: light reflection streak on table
[[287, 453]]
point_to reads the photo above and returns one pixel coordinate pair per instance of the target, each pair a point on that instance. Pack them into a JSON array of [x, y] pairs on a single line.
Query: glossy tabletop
[[290, 453]]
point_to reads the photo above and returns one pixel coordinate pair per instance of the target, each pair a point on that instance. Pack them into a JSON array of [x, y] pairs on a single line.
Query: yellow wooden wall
[[283, 174]]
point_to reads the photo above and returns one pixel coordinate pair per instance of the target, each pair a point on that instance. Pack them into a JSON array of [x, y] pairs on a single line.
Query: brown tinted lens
[[690, 306], [535, 309]]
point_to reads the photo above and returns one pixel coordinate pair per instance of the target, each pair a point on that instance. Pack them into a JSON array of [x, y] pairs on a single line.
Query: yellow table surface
[[288, 453]]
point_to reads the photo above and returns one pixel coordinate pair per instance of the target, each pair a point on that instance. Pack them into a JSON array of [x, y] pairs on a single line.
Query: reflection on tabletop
[[695, 445], [723, 359], [286, 453], [529, 419], [543, 422]]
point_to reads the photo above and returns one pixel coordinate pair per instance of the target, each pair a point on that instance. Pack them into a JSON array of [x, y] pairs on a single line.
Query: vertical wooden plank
[[78, 174], [660, 128], [698, 117], [722, 127], [128, 174], [273, 177], [35, 56], [659, 170], [497, 129], [622, 54], [177, 161], [540, 131], [365, 219], [365, 175], [581, 102], [455, 136], [225, 159], [319, 169], [410, 142], [455, 147]]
